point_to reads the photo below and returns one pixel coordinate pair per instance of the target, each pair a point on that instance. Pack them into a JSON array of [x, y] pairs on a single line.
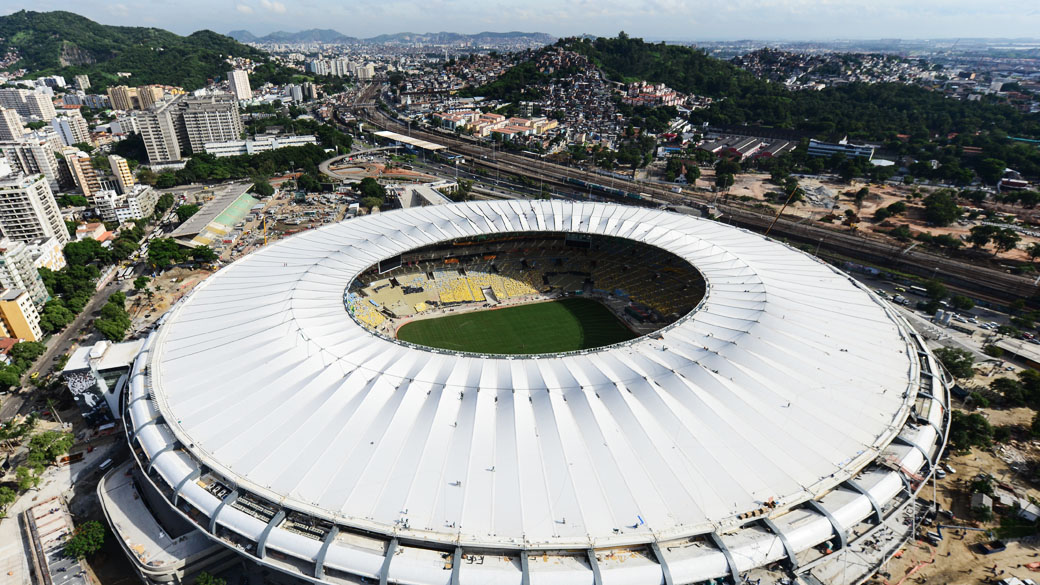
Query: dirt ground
[[817, 204], [166, 289]]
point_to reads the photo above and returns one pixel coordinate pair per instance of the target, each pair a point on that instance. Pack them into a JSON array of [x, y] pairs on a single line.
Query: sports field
[[566, 325]]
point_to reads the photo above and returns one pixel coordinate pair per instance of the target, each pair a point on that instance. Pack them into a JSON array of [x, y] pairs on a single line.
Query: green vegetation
[[566, 325], [262, 188], [22, 357], [205, 167], [186, 211], [86, 540], [958, 361], [114, 320], [68, 44], [516, 83], [970, 430], [371, 192], [7, 497], [205, 578], [165, 252]]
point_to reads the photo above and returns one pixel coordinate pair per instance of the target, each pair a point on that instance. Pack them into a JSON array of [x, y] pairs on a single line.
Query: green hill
[[68, 44]]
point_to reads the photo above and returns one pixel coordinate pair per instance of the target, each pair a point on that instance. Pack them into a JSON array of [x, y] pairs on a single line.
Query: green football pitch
[[566, 325]]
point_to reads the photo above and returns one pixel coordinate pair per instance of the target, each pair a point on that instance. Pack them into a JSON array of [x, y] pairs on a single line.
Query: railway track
[[982, 282]]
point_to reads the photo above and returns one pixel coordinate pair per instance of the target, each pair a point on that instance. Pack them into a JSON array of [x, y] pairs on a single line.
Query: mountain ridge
[[333, 36]]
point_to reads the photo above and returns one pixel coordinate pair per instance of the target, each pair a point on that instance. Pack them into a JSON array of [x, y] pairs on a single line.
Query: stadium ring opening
[[641, 288], [791, 413]]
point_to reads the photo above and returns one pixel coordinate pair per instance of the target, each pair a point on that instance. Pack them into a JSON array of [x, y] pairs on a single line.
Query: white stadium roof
[[788, 379]]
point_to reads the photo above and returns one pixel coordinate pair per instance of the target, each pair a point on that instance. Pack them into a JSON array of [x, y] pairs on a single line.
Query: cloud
[[273, 6], [244, 8], [119, 9]]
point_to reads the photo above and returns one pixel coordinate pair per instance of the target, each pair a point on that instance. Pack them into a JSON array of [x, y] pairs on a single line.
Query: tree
[[26, 478], [727, 166], [936, 289], [186, 211], [141, 282], [959, 362], [962, 303], [263, 189], [7, 497], [370, 202], [940, 208], [203, 254], [970, 430], [1010, 389], [88, 538], [991, 170], [1006, 239], [981, 235], [693, 172], [205, 578], [724, 181], [164, 202]]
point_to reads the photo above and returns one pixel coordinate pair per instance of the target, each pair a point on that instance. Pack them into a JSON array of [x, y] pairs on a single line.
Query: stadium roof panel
[[423, 144], [789, 378]]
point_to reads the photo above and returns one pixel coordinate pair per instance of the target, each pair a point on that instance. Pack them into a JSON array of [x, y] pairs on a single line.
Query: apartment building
[[72, 128], [17, 270], [138, 203], [27, 207], [238, 83], [39, 106], [83, 173], [123, 98], [121, 169], [47, 253], [818, 148], [18, 316], [33, 155], [11, 127], [174, 124], [82, 82]]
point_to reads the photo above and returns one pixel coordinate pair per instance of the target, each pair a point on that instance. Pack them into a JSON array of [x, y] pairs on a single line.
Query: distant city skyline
[[681, 20]]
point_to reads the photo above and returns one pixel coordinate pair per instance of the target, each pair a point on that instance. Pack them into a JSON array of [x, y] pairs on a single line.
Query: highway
[[982, 282]]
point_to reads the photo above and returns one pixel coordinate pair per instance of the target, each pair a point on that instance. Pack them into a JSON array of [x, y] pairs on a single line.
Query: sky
[[685, 20]]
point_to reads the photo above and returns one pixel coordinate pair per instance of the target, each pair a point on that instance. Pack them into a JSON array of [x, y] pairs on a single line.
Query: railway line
[[982, 282]]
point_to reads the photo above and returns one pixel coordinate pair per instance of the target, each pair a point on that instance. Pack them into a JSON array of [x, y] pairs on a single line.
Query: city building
[[124, 98], [211, 118], [121, 170], [72, 128], [137, 203], [238, 83], [33, 155], [18, 270], [296, 93], [11, 127], [174, 124], [27, 207], [83, 173], [125, 124], [82, 82], [818, 148], [679, 454], [258, 144], [39, 106], [19, 316], [47, 253], [148, 95]]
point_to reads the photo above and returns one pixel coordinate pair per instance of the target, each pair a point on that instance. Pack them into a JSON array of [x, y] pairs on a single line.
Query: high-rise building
[[147, 95], [162, 128], [173, 125], [125, 124], [238, 83], [211, 118], [121, 170], [40, 106], [83, 172], [14, 98], [17, 270], [123, 98], [11, 127], [72, 128], [137, 203], [33, 156], [27, 207], [310, 91], [296, 93], [18, 316], [82, 82]]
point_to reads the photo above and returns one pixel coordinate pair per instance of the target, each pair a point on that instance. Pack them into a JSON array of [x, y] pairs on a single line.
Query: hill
[[314, 35], [68, 44], [442, 38]]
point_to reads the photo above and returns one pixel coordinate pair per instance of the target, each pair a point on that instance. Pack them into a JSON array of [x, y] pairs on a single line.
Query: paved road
[[57, 346]]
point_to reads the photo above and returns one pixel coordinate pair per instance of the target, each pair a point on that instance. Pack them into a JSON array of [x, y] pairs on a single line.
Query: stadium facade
[[779, 424]]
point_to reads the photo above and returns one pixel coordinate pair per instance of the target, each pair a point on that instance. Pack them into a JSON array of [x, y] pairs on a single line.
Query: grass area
[[566, 325]]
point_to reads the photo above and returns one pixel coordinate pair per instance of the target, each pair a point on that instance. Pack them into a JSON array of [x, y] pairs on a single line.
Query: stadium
[[631, 396]]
